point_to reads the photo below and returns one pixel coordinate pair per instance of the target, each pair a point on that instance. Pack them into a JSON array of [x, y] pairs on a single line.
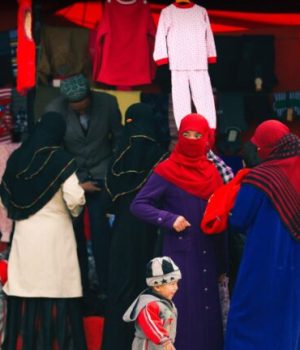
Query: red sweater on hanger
[[121, 47]]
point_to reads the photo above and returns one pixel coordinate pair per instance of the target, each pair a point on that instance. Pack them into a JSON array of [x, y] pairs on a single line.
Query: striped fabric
[[6, 120], [271, 180]]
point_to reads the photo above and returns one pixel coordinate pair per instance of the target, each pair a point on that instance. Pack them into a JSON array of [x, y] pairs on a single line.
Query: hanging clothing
[[265, 308], [132, 241], [184, 39], [122, 45], [6, 119], [64, 52], [25, 49]]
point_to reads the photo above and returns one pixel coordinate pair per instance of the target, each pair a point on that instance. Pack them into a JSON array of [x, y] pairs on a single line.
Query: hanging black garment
[[36, 170]]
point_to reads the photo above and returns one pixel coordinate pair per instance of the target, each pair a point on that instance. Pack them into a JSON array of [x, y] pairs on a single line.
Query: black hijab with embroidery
[[138, 152], [36, 170]]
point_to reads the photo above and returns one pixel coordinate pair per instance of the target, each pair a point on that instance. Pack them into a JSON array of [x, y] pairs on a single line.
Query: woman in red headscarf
[[265, 308], [175, 197]]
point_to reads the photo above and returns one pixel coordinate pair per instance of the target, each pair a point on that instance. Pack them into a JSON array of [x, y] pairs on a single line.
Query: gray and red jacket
[[155, 321]]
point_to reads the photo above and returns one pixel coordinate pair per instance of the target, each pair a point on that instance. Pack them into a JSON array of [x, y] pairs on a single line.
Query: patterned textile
[[224, 170], [6, 123], [75, 88], [184, 38]]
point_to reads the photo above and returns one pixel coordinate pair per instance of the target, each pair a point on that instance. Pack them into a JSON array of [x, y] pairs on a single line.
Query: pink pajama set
[[184, 39]]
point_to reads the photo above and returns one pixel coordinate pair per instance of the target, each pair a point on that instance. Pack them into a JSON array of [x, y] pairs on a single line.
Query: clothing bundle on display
[[122, 44], [64, 52], [184, 39], [286, 105], [243, 59], [26, 48], [6, 119]]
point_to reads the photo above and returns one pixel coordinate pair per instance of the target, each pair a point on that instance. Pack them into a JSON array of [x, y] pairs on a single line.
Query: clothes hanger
[[128, 2]]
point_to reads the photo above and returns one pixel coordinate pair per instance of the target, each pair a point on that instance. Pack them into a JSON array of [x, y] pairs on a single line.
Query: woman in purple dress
[[175, 198]]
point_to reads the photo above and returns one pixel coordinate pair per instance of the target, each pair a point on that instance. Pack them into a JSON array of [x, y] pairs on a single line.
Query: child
[[153, 311]]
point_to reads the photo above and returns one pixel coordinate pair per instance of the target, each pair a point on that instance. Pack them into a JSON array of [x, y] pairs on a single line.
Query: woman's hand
[[90, 186], [169, 346], [180, 224]]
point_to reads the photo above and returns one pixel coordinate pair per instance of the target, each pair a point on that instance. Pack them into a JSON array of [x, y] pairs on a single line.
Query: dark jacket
[[94, 149]]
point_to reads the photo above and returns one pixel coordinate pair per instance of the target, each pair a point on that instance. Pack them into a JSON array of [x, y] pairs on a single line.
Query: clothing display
[[26, 49], [231, 108], [155, 321], [6, 119], [122, 45], [283, 101], [184, 39], [241, 60], [64, 52]]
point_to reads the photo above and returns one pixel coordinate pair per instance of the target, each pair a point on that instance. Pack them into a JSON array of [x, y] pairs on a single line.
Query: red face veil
[[188, 166], [193, 148]]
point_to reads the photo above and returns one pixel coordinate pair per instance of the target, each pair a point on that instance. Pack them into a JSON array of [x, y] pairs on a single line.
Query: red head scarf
[[278, 174], [188, 166], [267, 135]]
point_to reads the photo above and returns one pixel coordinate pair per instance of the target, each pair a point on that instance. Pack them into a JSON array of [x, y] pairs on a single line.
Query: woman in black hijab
[[133, 241], [40, 190]]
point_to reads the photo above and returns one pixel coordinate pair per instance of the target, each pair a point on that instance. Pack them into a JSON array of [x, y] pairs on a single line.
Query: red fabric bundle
[[25, 50], [215, 218]]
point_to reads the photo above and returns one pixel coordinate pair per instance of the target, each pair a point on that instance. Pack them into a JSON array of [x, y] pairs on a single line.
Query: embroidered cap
[[162, 270], [75, 88]]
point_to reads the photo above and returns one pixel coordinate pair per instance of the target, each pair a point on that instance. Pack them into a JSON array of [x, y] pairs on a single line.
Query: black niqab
[[36, 170], [138, 152]]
